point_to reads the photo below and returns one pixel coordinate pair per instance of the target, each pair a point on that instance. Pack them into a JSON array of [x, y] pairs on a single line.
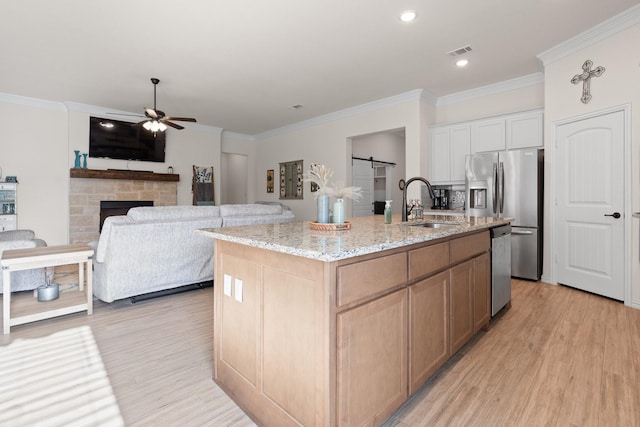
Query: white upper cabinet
[[448, 148], [489, 135], [525, 130], [449, 144]]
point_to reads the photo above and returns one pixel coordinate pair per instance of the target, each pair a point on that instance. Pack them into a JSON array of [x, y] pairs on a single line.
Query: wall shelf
[[123, 174]]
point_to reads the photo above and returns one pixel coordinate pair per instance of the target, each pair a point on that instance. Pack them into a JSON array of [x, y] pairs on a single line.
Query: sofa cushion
[[163, 213], [249, 210], [17, 235]]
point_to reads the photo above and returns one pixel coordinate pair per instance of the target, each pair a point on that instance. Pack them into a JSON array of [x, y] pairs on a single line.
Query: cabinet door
[[429, 328], [460, 148], [525, 130], [482, 291], [372, 360], [489, 135], [461, 296], [440, 156]]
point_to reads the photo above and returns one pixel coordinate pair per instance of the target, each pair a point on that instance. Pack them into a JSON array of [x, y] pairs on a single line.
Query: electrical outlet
[[227, 285], [238, 290]]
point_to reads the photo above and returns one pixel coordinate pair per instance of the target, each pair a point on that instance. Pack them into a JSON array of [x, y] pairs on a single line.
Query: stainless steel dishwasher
[[500, 267]]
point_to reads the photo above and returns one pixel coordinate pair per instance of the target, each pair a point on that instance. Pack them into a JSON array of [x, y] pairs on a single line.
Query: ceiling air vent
[[460, 51]]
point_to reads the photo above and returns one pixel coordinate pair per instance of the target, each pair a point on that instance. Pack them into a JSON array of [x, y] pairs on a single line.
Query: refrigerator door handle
[[501, 187], [521, 233], [495, 188]]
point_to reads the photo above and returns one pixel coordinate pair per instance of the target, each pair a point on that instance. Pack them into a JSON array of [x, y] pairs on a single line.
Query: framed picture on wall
[[270, 181]]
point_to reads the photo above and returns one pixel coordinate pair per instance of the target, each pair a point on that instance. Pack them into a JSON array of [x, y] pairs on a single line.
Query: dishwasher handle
[[522, 233], [500, 231]]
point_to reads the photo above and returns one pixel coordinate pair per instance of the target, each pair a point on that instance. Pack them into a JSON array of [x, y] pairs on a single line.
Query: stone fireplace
[[89, 187]]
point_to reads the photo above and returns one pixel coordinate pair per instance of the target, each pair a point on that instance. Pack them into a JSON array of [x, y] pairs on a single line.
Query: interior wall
[[41, 156], [329, 143], [235, 143], [195, 145], [33, 147], [388, 147], [616, 87], [510, 101], [234, 181]]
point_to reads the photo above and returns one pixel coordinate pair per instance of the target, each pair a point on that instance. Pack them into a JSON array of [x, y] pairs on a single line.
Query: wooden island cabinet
[[342, 341]]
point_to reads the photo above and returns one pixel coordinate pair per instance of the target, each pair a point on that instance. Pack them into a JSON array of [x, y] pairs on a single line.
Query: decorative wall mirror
[[291, 180]]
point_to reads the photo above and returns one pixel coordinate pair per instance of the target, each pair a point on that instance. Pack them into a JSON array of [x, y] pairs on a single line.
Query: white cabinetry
[[8, 211], [509, 132], [524, 130], [489, 135], [449, 146]]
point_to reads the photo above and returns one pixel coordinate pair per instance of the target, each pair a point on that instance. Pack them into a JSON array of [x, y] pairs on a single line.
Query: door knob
[[616, 215]]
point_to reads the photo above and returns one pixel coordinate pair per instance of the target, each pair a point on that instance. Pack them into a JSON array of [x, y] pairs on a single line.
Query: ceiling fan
[[156, 119]]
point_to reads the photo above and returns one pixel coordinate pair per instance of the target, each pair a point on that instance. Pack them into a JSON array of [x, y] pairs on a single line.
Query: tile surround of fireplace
[[86, 193]]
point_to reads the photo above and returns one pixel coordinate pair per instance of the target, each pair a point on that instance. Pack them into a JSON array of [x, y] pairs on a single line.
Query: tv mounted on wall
[[114, 139]]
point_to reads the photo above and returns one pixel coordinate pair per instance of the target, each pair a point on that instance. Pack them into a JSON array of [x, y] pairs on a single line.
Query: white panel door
[[362, 176], [590, 189]]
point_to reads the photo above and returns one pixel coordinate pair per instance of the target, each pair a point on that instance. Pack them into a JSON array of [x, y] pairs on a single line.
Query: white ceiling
[[240, 64]]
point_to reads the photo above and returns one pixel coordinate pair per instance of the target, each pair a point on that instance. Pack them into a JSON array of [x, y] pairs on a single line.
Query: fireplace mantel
[[123, 174]]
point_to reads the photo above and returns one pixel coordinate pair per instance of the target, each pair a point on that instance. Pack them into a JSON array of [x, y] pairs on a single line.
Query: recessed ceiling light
[[408, 16], [462, 62]]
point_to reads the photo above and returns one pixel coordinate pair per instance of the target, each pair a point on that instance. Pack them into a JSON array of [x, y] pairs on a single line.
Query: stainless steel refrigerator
[[510, 184]]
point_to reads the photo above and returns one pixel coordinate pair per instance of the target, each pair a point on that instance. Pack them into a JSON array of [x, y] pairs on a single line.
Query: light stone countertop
[[367, 235]]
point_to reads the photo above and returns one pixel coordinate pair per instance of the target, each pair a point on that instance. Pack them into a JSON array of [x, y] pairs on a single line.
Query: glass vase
[[323, 208], [76, 165], [84, 160], [338, 211]]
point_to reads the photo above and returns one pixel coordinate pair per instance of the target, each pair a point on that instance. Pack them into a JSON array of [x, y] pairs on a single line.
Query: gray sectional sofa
[[154, 249]]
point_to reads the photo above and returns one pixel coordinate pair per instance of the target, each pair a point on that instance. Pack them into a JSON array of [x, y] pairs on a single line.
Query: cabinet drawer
[[362, 279], [427, 260], [468, 246]]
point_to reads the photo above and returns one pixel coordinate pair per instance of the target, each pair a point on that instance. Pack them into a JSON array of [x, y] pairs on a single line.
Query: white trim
[[414, 95], [627, 211], [505, 86], [32, 102], [620, 22]]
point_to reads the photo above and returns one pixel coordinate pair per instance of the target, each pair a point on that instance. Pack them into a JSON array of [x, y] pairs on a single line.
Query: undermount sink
[[436, 225]]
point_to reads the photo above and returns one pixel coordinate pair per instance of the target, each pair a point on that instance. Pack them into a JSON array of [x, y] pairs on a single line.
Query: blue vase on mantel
[[76, 165], [338, 211], [323, 208], [84, 160]]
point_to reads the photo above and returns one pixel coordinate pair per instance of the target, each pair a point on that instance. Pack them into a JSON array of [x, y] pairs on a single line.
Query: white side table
[[31, 310]]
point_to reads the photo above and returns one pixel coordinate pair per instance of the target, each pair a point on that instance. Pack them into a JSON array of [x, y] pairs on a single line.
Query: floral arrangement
[[321, 176]]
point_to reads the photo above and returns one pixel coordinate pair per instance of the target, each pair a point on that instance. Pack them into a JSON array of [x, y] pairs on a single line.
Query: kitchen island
[[339, 328]]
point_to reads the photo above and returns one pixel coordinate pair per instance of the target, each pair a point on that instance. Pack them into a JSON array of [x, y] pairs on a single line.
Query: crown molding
[[32, 102], [620, 22], [414, 95], [505, 86]]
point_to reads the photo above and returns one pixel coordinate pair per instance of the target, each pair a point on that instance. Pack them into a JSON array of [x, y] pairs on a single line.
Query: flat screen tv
[[114, 139]]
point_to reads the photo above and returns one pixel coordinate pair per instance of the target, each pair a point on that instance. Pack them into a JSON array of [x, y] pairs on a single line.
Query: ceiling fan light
[[155, 126], [162, 126], [147, 125]]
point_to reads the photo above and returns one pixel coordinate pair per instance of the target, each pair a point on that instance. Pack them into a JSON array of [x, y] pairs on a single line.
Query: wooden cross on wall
[[585, 78]]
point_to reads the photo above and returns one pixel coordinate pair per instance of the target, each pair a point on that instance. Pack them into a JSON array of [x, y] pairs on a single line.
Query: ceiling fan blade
[[151, 113], [173, 125], [181, 119]]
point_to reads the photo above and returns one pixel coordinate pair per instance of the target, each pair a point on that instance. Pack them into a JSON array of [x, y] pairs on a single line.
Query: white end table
[[31, 310]]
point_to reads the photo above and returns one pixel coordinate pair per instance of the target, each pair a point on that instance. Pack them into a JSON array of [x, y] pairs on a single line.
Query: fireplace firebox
[[119, 207]]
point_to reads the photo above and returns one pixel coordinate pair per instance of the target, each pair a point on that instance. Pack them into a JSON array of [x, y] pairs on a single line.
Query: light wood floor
[[558, 357]]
